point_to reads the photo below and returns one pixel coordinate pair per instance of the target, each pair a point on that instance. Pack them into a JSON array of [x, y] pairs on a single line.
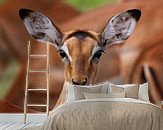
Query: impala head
[[80, 50]]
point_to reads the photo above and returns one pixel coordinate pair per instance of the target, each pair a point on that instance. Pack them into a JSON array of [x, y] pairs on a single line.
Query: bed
[[105, 106], [105, 114]]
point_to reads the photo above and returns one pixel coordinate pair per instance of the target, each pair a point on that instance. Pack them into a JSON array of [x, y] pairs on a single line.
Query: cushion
[[137, 91], [103, 95], [76, 92], [143, 92], [131, 90]]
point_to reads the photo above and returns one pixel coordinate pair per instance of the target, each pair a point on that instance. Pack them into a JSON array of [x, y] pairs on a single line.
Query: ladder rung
[[35, 70], [38, 56], [36, 105], [37, 89]]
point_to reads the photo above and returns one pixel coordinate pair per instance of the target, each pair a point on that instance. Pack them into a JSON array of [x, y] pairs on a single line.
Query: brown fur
[[80, 52]]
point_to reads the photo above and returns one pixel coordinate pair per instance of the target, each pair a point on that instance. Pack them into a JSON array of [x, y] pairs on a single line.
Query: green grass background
[[8, 77], [85, 5], [2, 1]]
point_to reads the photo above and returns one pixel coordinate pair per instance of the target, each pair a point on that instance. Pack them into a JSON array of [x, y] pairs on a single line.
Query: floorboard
[[6, 125], [22, 125], [13, 126], [16, 121]]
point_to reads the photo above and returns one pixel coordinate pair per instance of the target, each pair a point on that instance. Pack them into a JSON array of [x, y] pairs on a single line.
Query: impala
[[80, 50]]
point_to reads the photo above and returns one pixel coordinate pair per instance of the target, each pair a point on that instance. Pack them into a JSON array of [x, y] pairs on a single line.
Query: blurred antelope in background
[[80, 50]]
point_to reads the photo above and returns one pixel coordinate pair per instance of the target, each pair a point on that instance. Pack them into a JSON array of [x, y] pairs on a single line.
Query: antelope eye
[[63, 54], [98, 54]]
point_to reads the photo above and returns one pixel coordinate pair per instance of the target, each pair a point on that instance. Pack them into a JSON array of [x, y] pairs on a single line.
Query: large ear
[[40, 27], [120, 27]]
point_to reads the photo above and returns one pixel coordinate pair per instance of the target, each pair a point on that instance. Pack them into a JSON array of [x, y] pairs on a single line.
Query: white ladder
[[46, 71]]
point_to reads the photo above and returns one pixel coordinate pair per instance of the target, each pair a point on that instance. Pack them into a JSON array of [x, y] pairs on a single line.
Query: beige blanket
[[106, 114]]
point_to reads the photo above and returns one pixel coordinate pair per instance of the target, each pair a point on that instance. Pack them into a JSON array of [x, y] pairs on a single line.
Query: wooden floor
[[16, 121], [17, 126]]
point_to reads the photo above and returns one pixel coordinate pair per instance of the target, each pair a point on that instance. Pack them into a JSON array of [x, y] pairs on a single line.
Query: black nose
[[79, 82]]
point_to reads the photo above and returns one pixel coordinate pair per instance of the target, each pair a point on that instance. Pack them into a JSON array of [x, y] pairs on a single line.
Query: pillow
[[76, 92], [143, 92], [103, 95], [131, 90]]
